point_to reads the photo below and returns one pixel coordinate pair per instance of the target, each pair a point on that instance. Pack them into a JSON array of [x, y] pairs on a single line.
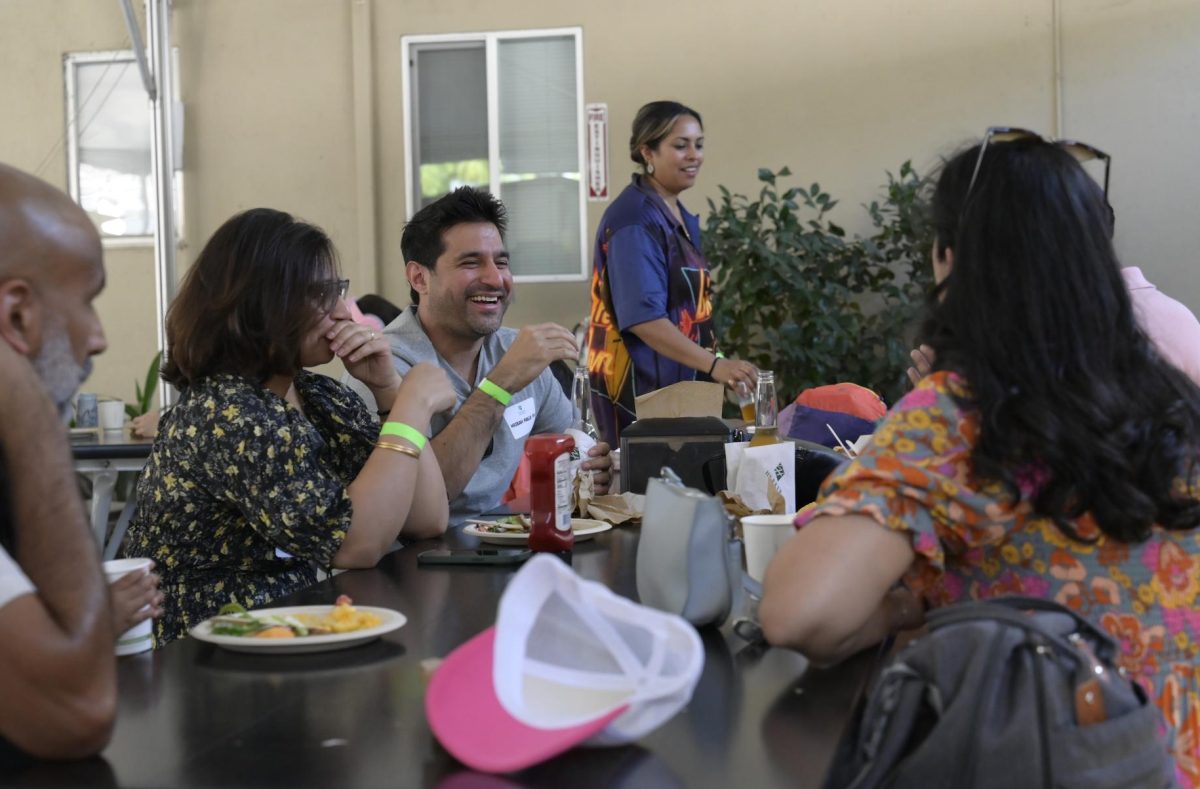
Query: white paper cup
[[763, 536], [137, 638], [112, 414]]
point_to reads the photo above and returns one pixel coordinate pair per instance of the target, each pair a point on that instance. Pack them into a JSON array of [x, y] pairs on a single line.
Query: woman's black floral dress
[[243, 494]]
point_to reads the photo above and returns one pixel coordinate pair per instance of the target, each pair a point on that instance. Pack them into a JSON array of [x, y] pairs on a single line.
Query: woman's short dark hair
[[653, 123], [249, 299], [1036, 317], [422, 240]]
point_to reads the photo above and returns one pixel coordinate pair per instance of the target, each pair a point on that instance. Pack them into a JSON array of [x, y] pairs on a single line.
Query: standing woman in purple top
[[651, 321]]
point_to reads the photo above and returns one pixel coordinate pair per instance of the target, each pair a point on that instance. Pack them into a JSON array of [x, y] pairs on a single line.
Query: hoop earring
[[649, 169]]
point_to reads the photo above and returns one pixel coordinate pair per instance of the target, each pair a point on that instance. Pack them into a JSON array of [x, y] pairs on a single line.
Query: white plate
[[389, 620], [584, 528]]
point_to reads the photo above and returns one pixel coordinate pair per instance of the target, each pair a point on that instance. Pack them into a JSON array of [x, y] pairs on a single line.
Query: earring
[[649, 169]]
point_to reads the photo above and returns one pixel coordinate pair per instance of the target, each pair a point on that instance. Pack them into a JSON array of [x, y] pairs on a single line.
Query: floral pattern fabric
[[243, 495], [973, 541]]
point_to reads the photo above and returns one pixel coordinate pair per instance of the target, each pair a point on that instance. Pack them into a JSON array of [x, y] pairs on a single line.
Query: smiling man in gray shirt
[[461, 286]]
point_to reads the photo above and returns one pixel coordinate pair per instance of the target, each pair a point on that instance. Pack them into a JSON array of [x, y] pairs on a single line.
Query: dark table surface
[[193, 714], [102, 444]]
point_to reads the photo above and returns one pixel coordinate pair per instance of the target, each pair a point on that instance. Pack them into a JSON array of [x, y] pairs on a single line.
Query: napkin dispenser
[[683, 444]]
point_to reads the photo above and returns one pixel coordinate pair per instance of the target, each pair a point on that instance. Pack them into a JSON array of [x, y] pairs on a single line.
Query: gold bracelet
[[403, 450]]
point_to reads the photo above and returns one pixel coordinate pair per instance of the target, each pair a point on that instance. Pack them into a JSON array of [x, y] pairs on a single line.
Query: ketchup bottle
[[550, 491]]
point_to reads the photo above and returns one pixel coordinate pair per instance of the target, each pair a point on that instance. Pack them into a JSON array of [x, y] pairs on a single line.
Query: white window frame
[[116, 58], [490, 40]]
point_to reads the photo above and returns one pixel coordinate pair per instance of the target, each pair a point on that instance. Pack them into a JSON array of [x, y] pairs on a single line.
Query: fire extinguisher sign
[[597, 151]]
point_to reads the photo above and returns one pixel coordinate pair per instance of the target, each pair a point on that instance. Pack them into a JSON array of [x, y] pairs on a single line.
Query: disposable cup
[[763, 536], [137, 638], [112, 414], [85, 410]]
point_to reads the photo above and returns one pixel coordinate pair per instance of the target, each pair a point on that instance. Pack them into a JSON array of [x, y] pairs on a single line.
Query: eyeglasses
[[1080, 150], [325, 294]]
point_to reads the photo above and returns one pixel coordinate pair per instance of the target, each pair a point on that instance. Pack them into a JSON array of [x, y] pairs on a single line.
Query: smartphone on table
[[485, 556]]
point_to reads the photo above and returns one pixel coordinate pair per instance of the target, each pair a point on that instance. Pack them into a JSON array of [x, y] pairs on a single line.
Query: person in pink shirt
[[1170, 325]]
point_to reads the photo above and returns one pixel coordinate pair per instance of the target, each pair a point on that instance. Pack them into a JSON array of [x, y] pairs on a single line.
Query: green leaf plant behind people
[[796, 295], [143, 402], [144, 395]]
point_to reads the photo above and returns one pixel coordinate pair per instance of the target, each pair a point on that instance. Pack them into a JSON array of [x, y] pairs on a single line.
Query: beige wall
[[838, 90], [34, 36]]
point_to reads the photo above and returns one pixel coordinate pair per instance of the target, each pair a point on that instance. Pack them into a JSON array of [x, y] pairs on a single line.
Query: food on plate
[[506, 525], [234, 620], [519, 524]]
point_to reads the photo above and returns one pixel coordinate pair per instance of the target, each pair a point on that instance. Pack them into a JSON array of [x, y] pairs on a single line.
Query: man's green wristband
[[407, 432], [492, 390]]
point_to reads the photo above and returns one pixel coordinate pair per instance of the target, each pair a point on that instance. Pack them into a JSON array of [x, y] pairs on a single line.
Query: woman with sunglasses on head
[[264, 470], [651, 319], [1051, 452]]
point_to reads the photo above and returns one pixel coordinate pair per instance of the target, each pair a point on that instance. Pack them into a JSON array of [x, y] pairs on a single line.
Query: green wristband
[[491, 389], [407, 432]]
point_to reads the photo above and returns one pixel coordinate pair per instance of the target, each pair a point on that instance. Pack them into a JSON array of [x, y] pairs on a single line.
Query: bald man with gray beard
[[57, 669]]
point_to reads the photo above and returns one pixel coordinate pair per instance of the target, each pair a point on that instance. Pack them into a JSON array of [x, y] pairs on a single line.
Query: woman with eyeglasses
[[1051, 452], [264, 470], [651, 319]]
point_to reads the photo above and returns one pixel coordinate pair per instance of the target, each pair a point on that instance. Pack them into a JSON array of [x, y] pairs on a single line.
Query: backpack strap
[[1009, 610]]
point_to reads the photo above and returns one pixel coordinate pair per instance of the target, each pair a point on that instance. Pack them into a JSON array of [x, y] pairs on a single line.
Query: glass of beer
[[745, 401]]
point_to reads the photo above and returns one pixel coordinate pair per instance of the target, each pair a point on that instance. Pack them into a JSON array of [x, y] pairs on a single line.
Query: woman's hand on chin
[[366, 355]]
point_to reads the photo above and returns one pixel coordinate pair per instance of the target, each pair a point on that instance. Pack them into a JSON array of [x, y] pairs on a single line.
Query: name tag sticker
[[520, 416]]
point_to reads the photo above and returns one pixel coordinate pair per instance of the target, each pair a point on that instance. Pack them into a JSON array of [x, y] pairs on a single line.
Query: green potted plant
[[142, 403], [795, 294]]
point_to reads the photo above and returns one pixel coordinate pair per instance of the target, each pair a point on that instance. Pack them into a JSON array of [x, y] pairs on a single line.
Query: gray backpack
[[1011, 692]]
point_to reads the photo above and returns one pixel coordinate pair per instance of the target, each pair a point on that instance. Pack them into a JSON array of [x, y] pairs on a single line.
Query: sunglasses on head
[[1080, 150], [326, 294]]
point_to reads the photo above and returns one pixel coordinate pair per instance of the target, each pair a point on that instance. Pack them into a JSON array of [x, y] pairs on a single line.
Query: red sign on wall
[[597, 151]]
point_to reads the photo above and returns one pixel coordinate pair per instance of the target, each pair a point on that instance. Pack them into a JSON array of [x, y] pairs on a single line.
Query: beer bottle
[[766, 415], [581, 394]]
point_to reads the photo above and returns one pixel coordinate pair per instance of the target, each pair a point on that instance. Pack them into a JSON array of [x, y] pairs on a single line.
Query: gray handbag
[[689, 559]]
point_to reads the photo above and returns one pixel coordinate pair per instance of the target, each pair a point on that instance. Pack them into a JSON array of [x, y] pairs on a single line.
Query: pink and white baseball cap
[[567, 662]]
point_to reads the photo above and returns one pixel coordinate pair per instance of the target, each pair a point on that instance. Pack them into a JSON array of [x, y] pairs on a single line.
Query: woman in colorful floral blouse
[[264, 470], [1051, 452]]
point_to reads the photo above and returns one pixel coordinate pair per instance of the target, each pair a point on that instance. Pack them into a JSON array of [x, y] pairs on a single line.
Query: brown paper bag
[[686, 398]]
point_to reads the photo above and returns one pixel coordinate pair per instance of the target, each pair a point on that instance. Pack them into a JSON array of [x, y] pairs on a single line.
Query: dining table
[[193, 714], [101, 455]]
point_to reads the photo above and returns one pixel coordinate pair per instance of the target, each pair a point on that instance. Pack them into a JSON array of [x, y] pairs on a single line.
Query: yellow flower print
[[1039, 566], [231, 412], [1027, 550], [991, 567], [1145, 594], [1051, 534], [1010, 554], [918, 419], [218, 432], [905, 446], [1138, 607], [1181, 641]]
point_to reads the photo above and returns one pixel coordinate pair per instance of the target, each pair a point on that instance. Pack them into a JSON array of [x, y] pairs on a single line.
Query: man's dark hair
[[422, 237], [249, 299]]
